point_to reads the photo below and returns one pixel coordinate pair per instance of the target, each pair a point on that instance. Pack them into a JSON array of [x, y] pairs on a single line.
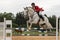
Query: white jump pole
[[56, 28], [4, 29]]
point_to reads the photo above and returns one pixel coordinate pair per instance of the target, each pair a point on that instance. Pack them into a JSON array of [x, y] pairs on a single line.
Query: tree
[[20, 19], [52, 20]]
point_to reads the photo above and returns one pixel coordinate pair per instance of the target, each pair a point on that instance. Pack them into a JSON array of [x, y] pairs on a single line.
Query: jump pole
[[56, 28]]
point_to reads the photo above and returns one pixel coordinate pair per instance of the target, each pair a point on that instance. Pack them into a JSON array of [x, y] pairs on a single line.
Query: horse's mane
[[28, 8]]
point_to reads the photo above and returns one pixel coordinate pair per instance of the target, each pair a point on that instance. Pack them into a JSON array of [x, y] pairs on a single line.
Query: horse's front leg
[[27, 24], [29, 28]]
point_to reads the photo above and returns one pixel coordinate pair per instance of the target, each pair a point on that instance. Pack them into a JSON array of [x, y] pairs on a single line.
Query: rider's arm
[[37, 9]]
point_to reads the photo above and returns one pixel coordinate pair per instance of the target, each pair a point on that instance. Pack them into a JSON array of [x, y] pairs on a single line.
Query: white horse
[[34, 18]]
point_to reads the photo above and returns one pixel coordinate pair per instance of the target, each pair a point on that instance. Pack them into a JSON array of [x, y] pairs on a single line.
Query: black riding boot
[[40, 16]]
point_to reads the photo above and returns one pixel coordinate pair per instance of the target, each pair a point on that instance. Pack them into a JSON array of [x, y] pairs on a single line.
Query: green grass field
[[34, 33]]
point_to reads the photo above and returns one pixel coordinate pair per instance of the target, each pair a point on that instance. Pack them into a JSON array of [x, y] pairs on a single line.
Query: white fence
[[6, 30]]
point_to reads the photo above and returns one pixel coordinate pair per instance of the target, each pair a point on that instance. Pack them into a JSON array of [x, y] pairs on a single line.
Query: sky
[[51, 7]]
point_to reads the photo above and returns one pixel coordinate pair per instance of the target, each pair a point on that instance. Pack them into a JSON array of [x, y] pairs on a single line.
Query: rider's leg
[[40, 16]]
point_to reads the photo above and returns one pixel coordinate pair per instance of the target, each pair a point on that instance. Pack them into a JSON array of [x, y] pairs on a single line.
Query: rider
[[37, 9]]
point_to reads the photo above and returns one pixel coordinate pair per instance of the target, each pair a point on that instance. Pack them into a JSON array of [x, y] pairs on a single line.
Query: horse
[[34, 19]]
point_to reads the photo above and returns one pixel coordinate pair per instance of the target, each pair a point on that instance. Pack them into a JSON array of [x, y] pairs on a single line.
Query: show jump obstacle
[[6, 30]]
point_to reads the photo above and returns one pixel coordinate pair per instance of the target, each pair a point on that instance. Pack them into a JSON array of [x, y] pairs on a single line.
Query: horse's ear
[[27, 8], [24, 8], [30, 7]]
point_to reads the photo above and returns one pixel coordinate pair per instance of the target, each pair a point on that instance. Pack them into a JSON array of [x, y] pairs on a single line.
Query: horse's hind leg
[[44, 26]]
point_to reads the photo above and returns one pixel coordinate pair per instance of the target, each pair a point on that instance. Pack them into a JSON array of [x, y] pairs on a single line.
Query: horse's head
[[28, 11]]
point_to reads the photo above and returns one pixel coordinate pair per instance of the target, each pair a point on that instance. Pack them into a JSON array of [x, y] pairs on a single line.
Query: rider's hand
[[42, 9]]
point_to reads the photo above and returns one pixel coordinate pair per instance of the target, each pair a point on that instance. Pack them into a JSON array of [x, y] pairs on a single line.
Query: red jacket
[[37, 9]]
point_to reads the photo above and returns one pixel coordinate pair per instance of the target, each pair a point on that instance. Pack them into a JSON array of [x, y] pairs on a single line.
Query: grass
[[32, 33]]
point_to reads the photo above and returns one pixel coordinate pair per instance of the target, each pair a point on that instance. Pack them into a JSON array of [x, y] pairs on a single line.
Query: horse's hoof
[[29, 29]]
